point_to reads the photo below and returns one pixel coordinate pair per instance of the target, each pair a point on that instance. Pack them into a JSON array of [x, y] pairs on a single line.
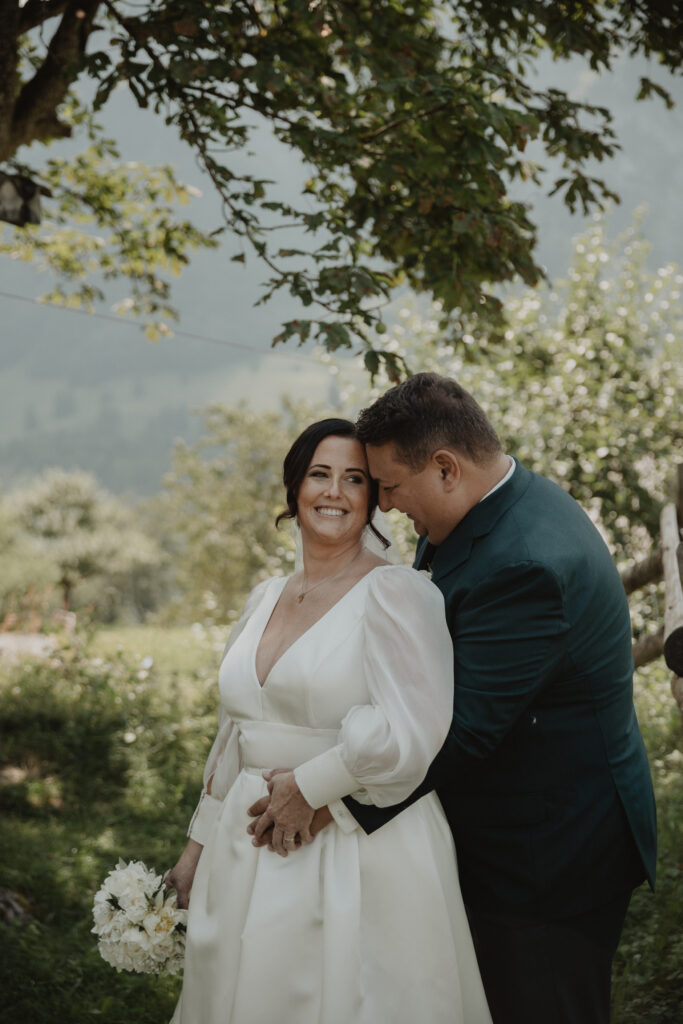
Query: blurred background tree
[[103, 561], [216, 516], [28, 573]]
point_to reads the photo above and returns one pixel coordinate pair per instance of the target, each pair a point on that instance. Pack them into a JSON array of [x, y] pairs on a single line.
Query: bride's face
[[332, 503]]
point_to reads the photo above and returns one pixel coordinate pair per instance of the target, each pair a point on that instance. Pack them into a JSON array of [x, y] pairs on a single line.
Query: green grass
[[107, 754], [648, 968]]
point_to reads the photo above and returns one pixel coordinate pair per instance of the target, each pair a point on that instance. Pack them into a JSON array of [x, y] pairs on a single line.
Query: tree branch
[[35, 116], [419, 116], [648, 570], [37, 12], [10, 14]]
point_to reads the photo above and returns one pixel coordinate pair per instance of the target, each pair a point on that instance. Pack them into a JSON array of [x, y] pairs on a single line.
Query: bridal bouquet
[[138, 925]]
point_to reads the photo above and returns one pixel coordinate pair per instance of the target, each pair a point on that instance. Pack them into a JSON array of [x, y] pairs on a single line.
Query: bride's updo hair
[[300, 456]]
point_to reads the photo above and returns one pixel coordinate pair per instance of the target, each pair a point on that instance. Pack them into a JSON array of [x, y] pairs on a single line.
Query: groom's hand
[[258, 809], [288, 812], [321, 819], [285, 814]]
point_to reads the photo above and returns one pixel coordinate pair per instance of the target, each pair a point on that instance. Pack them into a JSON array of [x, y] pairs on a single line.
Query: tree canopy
[[411, 118]]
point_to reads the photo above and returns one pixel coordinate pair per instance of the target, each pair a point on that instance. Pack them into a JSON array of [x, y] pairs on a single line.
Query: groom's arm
[[370, 817], [511, 636]]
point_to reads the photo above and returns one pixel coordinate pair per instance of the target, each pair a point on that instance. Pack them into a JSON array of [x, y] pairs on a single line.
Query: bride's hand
[[181, 876]]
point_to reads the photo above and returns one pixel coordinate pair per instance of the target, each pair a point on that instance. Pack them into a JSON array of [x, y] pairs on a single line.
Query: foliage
[[104, 561], [27, 573], [412, 118], [589, 391], [217, 517], [101, 757], [110, 221]]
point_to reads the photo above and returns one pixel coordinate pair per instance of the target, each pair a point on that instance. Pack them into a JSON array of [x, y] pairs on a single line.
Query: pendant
[[300, 598]]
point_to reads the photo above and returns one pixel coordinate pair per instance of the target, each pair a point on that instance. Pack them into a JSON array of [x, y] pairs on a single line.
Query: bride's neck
[[321, 561]]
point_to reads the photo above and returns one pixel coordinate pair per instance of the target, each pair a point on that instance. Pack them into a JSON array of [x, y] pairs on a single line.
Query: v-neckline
[[294, 642]]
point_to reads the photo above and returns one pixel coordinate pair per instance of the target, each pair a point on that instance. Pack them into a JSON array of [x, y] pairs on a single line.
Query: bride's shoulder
[[400, 590], [401, 577], [259, 591]]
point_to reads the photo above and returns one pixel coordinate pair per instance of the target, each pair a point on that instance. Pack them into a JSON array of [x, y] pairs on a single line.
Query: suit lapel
[[479, 521], [424, 553]]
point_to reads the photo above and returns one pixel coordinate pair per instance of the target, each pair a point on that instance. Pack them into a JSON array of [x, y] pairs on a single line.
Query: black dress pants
[[549, 972]]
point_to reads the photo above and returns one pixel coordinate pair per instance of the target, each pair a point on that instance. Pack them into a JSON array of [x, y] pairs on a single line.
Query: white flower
[[106, 917], [138, 923]]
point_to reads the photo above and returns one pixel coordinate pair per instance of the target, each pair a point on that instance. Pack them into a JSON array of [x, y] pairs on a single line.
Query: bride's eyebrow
[[349, 469]]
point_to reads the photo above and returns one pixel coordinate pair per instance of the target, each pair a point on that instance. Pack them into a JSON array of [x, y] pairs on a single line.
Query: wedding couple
[[487, 713]]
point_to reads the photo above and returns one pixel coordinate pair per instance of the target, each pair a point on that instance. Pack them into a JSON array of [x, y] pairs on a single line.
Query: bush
[[101, 758]]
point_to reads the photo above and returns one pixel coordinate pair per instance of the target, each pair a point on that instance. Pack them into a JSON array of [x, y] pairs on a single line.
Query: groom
[[543, 777]]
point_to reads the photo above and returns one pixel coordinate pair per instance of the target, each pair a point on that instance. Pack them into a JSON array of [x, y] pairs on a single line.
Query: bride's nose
[[333, 487]]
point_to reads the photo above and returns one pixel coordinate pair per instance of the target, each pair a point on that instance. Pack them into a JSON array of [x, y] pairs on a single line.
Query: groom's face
[[420, 495]]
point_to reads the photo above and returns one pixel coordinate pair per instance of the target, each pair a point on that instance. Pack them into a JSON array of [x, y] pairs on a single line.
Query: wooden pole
[[673, 612]]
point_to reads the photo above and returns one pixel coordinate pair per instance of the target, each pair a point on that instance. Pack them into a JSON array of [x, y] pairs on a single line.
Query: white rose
[[135, 904], [105, 918]]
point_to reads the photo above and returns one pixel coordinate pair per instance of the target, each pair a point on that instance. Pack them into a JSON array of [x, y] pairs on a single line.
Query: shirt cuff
[[203, 818], [343, 817], [325, 778]]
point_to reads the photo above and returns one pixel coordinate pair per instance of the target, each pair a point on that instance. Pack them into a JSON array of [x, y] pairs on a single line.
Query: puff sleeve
[[385, 747]]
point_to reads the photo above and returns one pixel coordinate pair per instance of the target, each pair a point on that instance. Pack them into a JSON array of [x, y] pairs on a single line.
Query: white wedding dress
[[350, 929]]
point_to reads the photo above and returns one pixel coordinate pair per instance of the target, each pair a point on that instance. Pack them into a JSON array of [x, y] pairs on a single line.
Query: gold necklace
[[327, 579]]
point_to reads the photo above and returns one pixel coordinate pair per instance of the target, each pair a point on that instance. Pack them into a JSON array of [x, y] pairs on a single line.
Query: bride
[[341, 673]]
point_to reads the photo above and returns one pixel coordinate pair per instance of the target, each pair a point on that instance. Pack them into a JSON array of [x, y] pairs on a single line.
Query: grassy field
[[102, 749]]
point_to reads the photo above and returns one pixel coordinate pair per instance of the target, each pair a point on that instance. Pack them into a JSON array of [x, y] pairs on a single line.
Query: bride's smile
[[332, 503]]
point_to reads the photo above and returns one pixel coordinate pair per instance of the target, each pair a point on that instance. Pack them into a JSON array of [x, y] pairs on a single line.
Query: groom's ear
[[448, 466]]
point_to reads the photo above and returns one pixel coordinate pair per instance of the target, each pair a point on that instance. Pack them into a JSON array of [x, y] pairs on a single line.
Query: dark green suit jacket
[[544, 777]]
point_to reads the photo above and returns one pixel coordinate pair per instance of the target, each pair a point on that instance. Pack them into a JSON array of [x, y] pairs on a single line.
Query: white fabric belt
[[274, 745]]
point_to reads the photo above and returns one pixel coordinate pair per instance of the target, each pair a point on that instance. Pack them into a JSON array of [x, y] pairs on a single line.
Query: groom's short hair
[[424, 413]]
